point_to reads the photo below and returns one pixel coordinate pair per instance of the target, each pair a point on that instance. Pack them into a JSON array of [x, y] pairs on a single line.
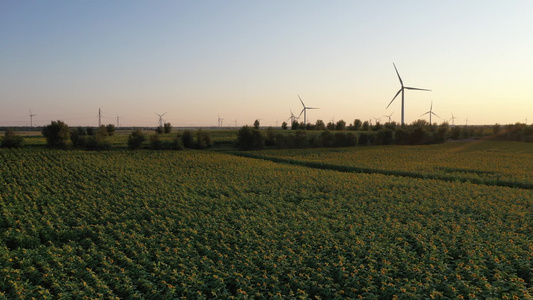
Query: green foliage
[[249, 138], [187, 139], [319, 125], [357, 124], [341, 125], [110, 128], [136, 139], [284, 126], [203, 139], [295, 125], [155, 142], [78, 136], [256, 124], [167, 128], [11, 139], [201, 224], [384, 136], [99, 141], [159, 130], [57, 135]]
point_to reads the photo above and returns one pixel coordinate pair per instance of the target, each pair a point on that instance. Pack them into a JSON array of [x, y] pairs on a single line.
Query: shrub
[[187, 139], [341, 125], [345, 139], [167, 128], [250, 138], [155, 142], [401, 136], [136, 139], [99, 140], [384, 136], [203, 139], [12, 139], [78, 136], [327, 139], [177, 143], [256, 124], [319, 125], [110, 128], [284, 126], [57, 135], [159, 130], [270, 137]]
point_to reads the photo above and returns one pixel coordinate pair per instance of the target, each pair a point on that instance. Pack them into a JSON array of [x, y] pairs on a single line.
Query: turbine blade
[[425, 113], [301, 101], [417, 89], [301, 113], [312, 108], [394, 98], [435, 114], [401, 82]]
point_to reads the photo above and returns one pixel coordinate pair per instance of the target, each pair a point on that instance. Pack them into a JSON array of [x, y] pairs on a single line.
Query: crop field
[[494, 162], [207, 224]]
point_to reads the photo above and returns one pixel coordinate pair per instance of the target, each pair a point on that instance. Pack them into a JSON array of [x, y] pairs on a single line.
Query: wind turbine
[[389, 116], [453, 118], [32, 115], [430, 112], [402, 89], [292, 118], [220, 121], [161, 119], [304, 111], [377, 120]]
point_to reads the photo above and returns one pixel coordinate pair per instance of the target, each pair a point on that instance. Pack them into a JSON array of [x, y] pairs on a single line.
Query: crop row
[[155, 224], [498, 163]]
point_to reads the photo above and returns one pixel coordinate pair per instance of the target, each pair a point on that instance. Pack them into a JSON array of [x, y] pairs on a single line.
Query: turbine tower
[[220, 121], [430, 112], [402, 89], [161, 119], [32, 115], [389, 116], [453, 118], [292, 118], [304, 110]]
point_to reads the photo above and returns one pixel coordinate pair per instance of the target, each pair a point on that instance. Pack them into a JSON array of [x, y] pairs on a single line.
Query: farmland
[[203, 224]]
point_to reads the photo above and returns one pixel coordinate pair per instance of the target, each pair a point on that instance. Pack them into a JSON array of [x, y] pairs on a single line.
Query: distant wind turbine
[[220, 121], [453, 118], [402, 89], [32, 115], [292, 118], [304, 110], [430, 112], [389, 116], [161, 119]]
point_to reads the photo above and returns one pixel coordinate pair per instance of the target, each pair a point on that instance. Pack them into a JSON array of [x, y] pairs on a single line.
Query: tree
[[155, 142], [284, 126], [203, 139], [159, 130], [341, 125], [136, 139], [256, 124], [110, 128], [357, 124], [12, 139], [249, 138], [188, 139], [365, 126], [320, 125], [330, 126], [295, 125], [167, 128], [99, 140], [57, 135]]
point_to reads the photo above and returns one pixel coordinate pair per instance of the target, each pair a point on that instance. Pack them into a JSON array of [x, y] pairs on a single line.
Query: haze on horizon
[[247, 60]]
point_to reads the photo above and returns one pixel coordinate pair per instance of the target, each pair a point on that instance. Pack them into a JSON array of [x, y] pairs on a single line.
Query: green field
[[209, 224]]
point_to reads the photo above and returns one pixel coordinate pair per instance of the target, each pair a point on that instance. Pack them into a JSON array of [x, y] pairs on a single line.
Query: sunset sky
[[247, 60]]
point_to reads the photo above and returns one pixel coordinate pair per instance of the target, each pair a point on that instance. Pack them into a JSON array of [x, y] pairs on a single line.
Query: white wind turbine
[[452, 119], [161, 119], [389, 116], [32, 115], [304, 110], [430, 112], [402, 89]]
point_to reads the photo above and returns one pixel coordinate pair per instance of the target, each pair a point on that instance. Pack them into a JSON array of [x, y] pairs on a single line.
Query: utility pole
[[99, 117]]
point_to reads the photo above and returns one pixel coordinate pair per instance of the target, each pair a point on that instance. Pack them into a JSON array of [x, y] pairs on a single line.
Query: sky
[[197, 61]]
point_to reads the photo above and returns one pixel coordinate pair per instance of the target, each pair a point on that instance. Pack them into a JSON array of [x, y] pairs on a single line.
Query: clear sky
[[247, 60]]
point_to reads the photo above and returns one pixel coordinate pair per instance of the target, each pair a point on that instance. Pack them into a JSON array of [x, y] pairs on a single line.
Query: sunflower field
[[202, 224]]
